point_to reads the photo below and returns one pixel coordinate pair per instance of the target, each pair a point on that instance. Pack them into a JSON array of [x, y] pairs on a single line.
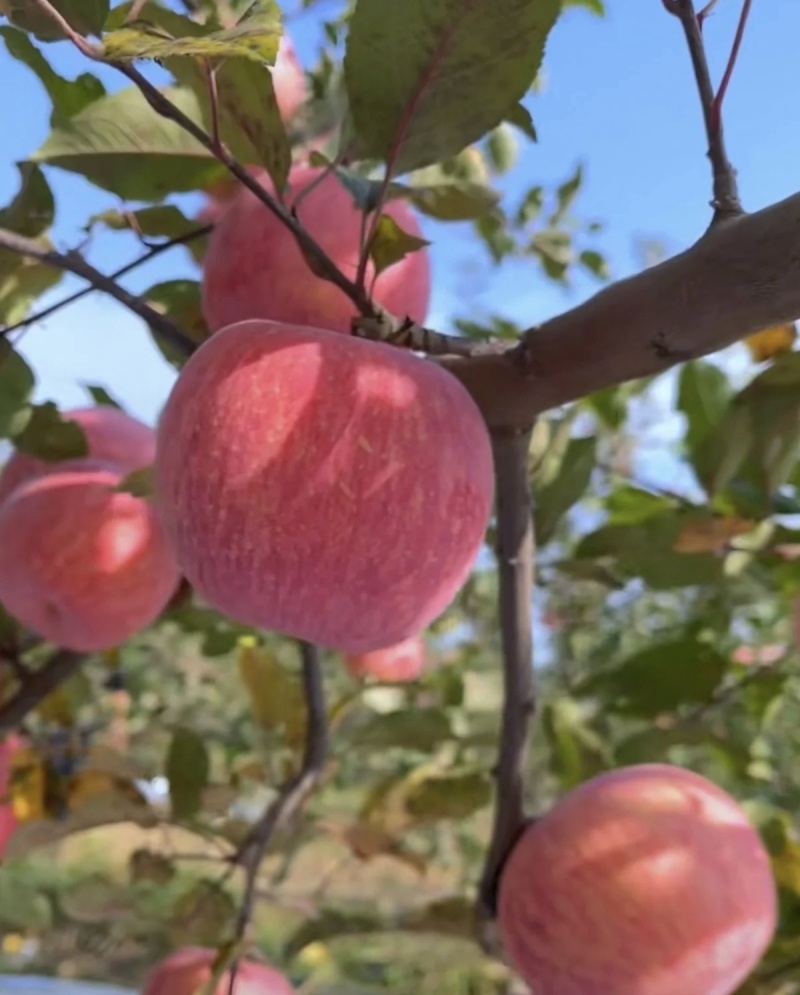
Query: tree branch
[[515, 556], [294, 793], [152, 253], [73, 262], [738, 279], [38, 685], [726, 201]]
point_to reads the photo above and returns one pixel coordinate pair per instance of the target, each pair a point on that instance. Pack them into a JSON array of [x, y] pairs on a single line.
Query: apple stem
[[725, 201], [515, 552], [294, 792], [37, 685]]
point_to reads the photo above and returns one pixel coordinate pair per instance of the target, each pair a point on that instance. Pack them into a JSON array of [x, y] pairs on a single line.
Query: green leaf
[[67, 97], [566, 194], [653, 745], [520, 117], [420, 729], [276, 696], [187, 769], [180, 301], [122, 145], [250, 120], [47, 435], [33, 209], [577, 752], [22, 282], [330, 924], [16, 386], [630, 505], [593, 6], [101, 396], [459, 200], [426, 78], [449, 796], [389, 244], [87, 17], [140, 483], [256, 36], [659, 679], [596, 263], [555, 499], [703, 396], [502, 149], [23, 906]]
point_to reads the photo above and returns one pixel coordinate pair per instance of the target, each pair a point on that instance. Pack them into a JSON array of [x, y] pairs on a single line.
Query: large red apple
[[186, 972], [405, 661], [83, 565], [253, 267], [648, 880], [111, 435], [323, 486]]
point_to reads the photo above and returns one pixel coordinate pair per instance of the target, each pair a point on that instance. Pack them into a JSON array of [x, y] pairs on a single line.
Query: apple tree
[[305, 603]]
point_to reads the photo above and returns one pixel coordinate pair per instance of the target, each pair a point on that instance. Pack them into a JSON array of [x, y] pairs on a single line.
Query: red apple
[[289, 80], [186, 971], [112, 436], [647, 880], [253, 267], [322, 486], [405, 661], [84, 566]]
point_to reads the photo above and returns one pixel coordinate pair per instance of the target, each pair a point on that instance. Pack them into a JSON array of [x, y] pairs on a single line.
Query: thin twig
[[152, 252], [515, 550], [294, 793], [716, 116], [725, 201], [73, 262], [37, 686]]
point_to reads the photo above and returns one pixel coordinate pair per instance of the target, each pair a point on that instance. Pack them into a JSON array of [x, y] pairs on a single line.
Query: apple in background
[[186, 971], [322, 486], [405, 661], [8, 821], [83, 566], [647, 880], [289, 80], [112, 437], [253, 267]]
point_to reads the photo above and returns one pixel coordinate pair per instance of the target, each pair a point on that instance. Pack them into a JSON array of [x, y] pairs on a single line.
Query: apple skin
[[646, 880], [186, 971], [83, 566], [322, 486], [112, 436], [403, 662], [253, 267], [289, 80]]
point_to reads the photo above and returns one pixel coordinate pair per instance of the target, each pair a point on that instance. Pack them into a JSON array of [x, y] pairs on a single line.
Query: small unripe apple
[[647, 880], [112, 436], [186, 971], [405, 661], [83, 565], [253, 267], [322, 486]]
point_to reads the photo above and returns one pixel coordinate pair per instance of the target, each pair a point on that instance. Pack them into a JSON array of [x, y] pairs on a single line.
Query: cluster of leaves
[[648, 596]]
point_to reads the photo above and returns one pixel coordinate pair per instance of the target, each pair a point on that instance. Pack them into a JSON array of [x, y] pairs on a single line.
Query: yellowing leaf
[[710, 535], [275, 695], [772, 342], [786, 867], [367, 842], [257, 36], [28, 784]]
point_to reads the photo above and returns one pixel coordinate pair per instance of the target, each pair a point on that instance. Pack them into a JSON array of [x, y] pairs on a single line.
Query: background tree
[[666, 615]]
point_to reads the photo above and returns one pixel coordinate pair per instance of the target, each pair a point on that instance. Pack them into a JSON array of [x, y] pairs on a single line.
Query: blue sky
[[619, 97]]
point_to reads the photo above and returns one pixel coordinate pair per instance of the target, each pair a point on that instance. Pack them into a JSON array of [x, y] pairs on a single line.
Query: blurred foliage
[[667, 619]]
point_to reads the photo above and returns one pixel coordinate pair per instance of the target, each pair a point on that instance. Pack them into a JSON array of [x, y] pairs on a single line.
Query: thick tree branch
[[73, 262], [740, 278], [152, 252], [726, 201], [294, 793], [515, 557], [38, 685]]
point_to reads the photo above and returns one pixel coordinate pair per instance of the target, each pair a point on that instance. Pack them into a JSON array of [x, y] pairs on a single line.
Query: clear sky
[[619, 97]]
